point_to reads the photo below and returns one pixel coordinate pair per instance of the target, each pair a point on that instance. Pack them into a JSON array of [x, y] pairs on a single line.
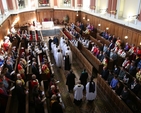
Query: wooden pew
[[111, 96], [103, 40], [9, 101], [90, 57], [66, 32], [27, 99], [135, 99], [44, 103], [79, 55], [10, 93], [82, 59], [100, 45]]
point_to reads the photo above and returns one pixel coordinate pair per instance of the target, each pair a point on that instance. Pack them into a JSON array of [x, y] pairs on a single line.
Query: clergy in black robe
[[70, 80], [49, 43], [67, 62]]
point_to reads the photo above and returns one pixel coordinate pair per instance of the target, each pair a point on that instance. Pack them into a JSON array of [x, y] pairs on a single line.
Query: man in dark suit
[[35, 70], [20, 91], [49, 43], [105, 73]]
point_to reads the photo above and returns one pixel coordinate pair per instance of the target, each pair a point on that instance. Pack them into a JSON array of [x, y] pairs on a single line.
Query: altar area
[[47, 24]]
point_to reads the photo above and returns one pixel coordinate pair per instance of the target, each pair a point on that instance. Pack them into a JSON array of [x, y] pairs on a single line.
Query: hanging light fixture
[[77, 13]]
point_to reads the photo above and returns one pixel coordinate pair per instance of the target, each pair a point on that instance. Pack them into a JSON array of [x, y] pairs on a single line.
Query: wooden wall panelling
[[124, 33], [58, 15], [103, 25], [138, 41], [129, 34], [26, 17], [116, 29], [112, 28], [135, 39], [120, 31]]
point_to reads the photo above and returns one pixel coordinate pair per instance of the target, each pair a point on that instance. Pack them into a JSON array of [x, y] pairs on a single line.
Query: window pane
[[43, 3], [67, 3], [21, 4]]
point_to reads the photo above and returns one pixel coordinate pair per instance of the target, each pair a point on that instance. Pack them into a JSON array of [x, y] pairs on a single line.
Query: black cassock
[[67, 63]]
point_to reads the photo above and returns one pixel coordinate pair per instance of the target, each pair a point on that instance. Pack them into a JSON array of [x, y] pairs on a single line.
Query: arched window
[[5, 5], [21, 4], [67, 3], [43, 3]]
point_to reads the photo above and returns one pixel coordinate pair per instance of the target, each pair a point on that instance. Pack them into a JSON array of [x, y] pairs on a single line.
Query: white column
[[118, 8], [138, 10], [97, 6], [75, 4]]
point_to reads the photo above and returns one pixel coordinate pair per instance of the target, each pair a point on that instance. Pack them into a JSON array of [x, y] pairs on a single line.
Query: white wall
[[86, 4], [103, 4], [121, 7], [130, 8]]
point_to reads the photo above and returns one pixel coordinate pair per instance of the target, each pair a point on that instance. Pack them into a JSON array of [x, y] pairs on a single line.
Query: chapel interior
[[41, 19]]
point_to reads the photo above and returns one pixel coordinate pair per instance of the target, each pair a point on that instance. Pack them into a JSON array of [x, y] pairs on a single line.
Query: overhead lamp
[[83, 18], [126, 37], [140, 43], [99, 24], [107, 28], [77, 13], [88, 19]]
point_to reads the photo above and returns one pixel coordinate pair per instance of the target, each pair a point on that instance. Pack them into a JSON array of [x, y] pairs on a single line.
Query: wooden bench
[[112, 96], [66, 32], [27, 99], [44, 103], [10, 93], [90, 57], [102, 39], [79, 55], [9, 102], [82, 59], [100, 45], [132, 97]]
